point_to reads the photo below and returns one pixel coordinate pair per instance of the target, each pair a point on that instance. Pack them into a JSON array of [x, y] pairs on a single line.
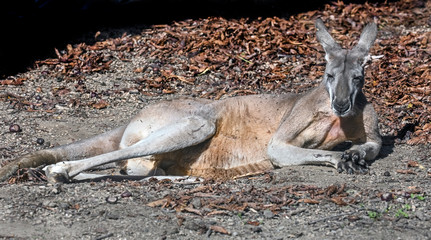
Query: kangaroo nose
[[342, 107]]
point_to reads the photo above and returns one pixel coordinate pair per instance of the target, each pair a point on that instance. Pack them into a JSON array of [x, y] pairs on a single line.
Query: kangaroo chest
[[327, 130]]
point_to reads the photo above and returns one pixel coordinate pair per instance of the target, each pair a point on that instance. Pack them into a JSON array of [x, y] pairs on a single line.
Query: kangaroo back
[[96, 145]]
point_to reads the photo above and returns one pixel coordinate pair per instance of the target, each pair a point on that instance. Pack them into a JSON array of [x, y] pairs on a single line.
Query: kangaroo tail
[[103, 143]]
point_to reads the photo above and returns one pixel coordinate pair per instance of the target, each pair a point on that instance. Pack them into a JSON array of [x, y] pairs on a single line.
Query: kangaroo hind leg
[[103, 143], [182, 133]]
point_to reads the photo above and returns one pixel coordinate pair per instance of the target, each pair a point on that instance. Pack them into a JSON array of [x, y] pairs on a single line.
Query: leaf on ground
[[412, 163], [254, 223], [192, 210], [339, 201], [217, 212], [100, 104], [406, 171], [309, 201], [15, 81], [158, 203], [219, 229]]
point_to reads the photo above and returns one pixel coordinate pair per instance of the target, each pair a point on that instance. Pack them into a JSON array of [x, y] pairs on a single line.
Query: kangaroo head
[[344, 74]]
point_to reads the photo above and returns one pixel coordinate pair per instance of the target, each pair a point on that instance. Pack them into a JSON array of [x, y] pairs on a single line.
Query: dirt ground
[[120, 210], [49, 106]]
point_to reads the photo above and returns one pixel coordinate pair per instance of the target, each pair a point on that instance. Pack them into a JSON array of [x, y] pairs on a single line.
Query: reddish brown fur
[[239, 145]]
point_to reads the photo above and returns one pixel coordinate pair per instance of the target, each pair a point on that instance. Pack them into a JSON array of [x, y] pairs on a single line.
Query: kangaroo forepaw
[[350, 167], [57, 173], [352, 163], [354, 156]]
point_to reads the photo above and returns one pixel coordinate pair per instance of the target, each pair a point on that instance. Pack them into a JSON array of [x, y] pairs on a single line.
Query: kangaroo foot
[[57, 173]]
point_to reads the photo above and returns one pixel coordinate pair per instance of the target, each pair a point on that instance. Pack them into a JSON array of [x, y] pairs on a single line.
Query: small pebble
[[353, 218], [387, 197], [268, 213], [14, 128], [93, 94], [64, 205], [256, 229], [192, 225], [48, 203], [57, 188], [196, 202], [40, 141], [126, 194], [111, 199], [112, 216]]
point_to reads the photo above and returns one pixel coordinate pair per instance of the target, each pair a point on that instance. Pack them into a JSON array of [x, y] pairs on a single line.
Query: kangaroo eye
[[329, 77], [357, 79]]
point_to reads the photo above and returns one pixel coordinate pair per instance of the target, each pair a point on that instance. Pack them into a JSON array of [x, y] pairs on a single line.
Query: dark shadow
[[119, 178], [32, 29], [388, 144], [389, 141], [114, 178]]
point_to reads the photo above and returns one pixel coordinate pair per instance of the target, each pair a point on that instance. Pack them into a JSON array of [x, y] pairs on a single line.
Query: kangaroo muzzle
[[341, 107]]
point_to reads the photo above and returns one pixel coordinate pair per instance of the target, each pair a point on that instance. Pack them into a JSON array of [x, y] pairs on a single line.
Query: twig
[[245, 60], [104, 236]]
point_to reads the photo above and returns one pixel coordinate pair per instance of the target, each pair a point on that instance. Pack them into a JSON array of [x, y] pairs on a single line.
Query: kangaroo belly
[[220, 157], [238, 147], [233, 155]]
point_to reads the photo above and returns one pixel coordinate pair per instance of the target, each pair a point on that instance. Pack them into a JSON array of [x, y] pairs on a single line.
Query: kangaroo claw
[[352, 155], [351, 167]]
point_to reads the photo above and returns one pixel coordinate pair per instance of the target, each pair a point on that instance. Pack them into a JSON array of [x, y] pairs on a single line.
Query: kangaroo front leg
[[352, 160], [283, 154], [186, 132], [362, 153]]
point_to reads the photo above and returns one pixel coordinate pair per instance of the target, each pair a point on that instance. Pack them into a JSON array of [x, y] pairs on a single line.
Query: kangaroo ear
[[366, 40], [328, 43]]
